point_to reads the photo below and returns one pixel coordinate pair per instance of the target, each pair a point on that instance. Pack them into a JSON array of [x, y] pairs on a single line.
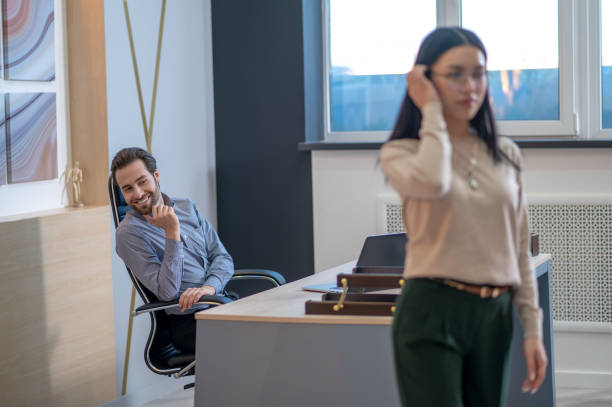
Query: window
[[606, 64], [538, 77], [372, 44]]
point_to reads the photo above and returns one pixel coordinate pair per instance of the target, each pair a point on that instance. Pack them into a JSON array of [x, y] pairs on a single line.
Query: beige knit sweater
[[478, 236]]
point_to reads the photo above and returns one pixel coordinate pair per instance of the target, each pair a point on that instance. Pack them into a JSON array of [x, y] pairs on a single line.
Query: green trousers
[[452, 348]]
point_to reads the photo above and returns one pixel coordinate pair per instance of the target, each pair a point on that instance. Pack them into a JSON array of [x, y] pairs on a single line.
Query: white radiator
[[577, 232]]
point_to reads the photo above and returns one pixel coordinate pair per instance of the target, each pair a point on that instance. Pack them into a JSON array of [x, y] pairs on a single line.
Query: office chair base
[[184, 371]]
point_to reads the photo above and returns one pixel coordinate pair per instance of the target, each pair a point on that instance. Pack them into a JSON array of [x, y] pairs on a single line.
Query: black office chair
[[159, 354]]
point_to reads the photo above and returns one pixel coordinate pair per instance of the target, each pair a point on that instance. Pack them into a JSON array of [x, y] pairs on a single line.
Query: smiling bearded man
[[171, 249]]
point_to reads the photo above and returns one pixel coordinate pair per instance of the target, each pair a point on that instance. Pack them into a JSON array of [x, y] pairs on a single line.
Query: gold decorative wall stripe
[[148, 133]]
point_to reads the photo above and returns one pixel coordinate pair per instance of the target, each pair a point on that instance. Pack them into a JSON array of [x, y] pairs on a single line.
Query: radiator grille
[[579, 238], [394, 218]]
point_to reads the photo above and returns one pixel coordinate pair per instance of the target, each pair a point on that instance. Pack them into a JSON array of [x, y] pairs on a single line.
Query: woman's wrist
[[433, 123], [434, 106]]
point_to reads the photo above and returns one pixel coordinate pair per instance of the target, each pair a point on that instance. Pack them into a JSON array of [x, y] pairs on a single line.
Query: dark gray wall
[[264, 186]]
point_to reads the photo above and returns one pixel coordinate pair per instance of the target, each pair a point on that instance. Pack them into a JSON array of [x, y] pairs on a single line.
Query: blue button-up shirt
[[168, 267]]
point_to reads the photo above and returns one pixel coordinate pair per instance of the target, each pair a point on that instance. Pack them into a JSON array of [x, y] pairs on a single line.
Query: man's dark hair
[[128, 155]]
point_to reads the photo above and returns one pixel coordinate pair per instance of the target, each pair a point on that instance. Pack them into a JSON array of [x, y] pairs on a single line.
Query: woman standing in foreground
[[467, 258]]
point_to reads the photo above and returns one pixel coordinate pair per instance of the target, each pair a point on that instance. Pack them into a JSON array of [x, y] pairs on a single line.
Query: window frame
[[592, 43], [579, 104]]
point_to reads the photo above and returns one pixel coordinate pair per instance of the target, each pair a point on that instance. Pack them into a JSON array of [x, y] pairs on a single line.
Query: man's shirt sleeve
[[221, 267], [161, 277]]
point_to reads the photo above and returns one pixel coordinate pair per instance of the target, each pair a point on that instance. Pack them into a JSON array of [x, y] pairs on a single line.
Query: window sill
[[533, 143]]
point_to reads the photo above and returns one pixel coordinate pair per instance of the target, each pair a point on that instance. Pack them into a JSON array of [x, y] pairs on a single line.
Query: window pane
[[606, 64], [523, 55], [372, 45]]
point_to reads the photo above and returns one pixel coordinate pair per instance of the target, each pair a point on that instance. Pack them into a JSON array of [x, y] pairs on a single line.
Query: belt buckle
[[485, 292], [488, 292]]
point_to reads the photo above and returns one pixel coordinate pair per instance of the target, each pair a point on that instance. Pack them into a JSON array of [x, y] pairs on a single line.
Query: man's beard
[[155, 199]]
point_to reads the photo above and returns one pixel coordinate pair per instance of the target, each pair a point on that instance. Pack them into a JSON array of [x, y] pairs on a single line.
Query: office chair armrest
[[213, 300], [274, 276]]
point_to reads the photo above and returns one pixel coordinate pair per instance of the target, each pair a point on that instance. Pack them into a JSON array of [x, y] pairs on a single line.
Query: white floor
[[566, 397], [181, 398], [570, 397]]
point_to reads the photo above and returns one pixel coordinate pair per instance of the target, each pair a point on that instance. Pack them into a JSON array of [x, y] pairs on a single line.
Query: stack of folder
[[372, 287]]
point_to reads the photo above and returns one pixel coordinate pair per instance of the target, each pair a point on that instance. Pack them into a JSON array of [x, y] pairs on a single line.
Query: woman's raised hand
[[420, 89]]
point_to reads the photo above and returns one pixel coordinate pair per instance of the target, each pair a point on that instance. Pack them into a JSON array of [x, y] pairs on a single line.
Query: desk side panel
[[546, 395], [270, 364]]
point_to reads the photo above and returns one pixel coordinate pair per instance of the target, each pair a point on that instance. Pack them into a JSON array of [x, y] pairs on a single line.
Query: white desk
[[264, 351]]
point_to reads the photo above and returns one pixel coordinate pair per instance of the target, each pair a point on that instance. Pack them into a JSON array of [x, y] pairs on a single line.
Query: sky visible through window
[[382, 37], [513, 38], [378, 37]]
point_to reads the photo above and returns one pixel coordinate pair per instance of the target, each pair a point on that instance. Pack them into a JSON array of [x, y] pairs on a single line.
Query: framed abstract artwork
[[2, 145], [31, 137], [28, 40]]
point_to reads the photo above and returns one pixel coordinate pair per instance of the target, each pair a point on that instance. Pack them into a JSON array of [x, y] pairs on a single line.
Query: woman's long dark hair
[[435, 44]]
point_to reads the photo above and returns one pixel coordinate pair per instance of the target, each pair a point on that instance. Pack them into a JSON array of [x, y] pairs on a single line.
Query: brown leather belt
[[484, 291]]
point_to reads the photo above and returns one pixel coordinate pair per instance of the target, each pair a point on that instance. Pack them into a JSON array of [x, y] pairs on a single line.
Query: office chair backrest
[[159, 348], [120, 208], [118, 203]]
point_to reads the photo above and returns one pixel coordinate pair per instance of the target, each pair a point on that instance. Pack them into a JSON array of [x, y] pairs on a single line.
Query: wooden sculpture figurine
[[73, 177]]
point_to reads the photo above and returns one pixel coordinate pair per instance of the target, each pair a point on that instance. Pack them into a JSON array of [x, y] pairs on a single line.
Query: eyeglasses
[[458, 79]]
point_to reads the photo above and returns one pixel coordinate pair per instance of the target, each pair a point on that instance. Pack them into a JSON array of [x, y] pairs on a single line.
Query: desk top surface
[[285, 304]]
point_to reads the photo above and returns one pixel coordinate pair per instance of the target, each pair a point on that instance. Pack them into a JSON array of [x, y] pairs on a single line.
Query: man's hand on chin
[[192, 295], [163, 216]]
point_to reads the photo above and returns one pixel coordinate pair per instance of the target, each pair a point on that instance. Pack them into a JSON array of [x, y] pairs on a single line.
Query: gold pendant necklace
[[472, 182]]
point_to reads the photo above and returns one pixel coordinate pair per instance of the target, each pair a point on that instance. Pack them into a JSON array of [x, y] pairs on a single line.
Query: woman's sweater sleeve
[[526, 295], [420, 169]]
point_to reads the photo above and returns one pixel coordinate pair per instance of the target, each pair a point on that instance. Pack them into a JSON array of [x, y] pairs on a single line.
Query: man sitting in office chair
[[168, 245]]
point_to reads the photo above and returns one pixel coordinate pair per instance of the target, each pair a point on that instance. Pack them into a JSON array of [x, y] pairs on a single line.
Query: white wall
[[345, 189], [583, 355], [183, 137], [346, 183]]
